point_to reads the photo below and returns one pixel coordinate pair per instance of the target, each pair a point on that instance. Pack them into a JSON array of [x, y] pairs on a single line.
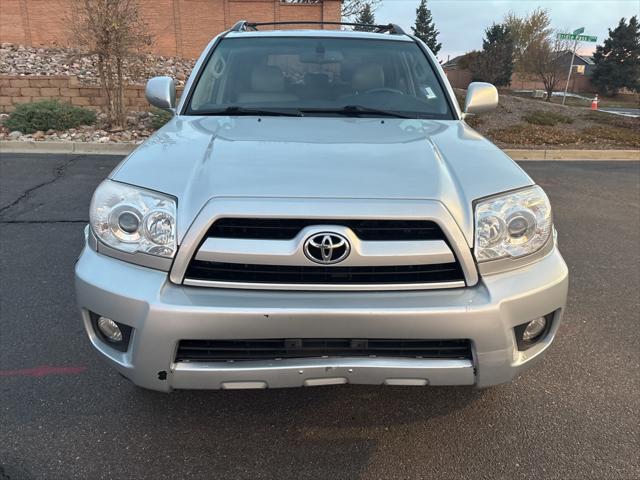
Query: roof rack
[[392, 28]]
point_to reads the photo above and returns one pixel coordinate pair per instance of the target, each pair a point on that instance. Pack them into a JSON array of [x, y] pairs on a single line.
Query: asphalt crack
[[58, 173], [41, 222]]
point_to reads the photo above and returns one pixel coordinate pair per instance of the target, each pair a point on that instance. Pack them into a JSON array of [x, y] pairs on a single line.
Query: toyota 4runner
[[317, 212]]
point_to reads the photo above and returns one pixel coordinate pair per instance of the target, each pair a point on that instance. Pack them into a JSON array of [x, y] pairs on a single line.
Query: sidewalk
[[82, 148]]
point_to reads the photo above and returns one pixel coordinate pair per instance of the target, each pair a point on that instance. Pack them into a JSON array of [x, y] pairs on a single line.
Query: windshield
[[319, 76]]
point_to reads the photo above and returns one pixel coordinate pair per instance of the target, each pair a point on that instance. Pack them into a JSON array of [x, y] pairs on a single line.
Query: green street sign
[[578, 31], [579, 38]]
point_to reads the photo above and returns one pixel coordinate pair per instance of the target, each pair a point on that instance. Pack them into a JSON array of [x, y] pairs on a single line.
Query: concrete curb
[[82, 148], [569, 155], [77, 148]]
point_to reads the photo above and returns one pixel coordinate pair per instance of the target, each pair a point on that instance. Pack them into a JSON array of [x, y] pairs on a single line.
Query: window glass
[[318, 75]]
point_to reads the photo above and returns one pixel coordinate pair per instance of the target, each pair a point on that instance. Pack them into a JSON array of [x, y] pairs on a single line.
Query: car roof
[[316, 33]]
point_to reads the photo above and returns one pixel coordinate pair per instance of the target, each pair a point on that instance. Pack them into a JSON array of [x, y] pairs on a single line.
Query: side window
[[211, 84], [426, 85]]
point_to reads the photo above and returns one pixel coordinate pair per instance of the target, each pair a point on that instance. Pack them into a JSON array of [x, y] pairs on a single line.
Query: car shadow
[[326, 432], [358, 405]]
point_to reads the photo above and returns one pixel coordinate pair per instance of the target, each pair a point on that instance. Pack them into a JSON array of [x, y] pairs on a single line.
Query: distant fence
[[460, 78]]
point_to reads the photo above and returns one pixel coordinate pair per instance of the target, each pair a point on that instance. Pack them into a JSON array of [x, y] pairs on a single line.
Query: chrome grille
[[269, 253], [244, 273], [288, 228]]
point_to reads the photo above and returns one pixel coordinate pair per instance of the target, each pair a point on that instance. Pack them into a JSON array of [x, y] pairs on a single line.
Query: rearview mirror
[[481, 97], [161, 93]]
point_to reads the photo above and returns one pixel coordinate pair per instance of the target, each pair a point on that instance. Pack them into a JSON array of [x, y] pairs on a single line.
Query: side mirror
[[161, 93], [481, 97]]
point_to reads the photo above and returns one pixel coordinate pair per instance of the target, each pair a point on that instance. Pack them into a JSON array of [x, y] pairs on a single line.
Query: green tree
[[617, 62], [351, 9], [425, 28], [495, 63], [366, 16]]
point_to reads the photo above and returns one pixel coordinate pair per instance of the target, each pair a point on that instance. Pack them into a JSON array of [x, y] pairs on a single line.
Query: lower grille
[[236, 272], [281, 348]]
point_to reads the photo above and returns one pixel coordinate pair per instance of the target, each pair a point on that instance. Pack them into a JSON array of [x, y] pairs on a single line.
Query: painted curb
[[81, 148]]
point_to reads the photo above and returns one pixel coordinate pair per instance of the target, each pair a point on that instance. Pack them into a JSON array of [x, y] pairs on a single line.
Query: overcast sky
[[462, 22]]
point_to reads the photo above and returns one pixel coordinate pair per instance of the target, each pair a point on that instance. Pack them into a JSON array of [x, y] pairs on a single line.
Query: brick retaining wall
[[179, 27], [23, 89]]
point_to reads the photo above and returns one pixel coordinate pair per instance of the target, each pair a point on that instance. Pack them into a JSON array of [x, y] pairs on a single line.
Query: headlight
[[512, 225], [133, 219]]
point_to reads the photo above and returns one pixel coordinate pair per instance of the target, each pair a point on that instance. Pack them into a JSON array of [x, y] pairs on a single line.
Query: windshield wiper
[[358, 110], [236, 110]]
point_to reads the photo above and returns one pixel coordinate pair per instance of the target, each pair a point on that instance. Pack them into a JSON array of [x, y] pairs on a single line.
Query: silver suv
[[317, 212]]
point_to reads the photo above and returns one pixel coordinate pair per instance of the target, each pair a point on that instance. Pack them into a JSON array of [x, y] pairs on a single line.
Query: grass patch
[[48, 115], [541, 117], [534, 135], [604, 118], [608, 135], [474, 121], [527, 135]]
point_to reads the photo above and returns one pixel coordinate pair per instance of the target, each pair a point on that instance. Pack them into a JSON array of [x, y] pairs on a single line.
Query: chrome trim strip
[[138, 258], [324, 287], [291, 252], [319, 371], [322, 208]]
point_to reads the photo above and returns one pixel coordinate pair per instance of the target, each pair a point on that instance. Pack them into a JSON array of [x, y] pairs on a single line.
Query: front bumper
[[162, 313]]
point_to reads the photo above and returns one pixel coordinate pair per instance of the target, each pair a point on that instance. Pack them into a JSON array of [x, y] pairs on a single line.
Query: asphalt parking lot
[[64, 414]]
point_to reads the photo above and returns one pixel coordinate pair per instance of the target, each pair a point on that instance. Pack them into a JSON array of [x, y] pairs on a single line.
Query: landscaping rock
[[21, 60]]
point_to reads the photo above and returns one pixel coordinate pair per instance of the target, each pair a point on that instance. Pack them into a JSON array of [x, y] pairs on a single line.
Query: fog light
[[110, 330], [534, 329]]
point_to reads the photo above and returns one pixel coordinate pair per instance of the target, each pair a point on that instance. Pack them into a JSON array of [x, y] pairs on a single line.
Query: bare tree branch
[[113, 31]]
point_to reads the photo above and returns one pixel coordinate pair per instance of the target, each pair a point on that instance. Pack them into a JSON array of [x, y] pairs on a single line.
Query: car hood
[[199, 158]]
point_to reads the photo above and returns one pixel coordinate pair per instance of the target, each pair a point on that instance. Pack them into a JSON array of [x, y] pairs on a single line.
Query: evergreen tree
[[366, 16], [495, 63], [617, 62], [425, 29]]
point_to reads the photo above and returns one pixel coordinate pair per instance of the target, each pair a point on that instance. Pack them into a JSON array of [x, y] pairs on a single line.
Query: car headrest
[[316, 79], [367, 76], [267, 79]]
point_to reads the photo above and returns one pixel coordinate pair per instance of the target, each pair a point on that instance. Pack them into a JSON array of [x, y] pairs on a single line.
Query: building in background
[[180, 27], [459, 75]]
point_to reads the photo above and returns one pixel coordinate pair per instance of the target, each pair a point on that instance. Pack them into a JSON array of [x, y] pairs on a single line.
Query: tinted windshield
[[319, 76]]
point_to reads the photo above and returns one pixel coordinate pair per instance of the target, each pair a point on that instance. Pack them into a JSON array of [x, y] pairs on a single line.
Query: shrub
[[48, 115], [159, 118], [540, 117]]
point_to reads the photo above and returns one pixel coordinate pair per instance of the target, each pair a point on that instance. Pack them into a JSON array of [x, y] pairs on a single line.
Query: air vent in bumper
[[271, 349]]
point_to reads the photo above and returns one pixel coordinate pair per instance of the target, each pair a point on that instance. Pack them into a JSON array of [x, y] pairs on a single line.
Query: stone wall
[[23, 89]]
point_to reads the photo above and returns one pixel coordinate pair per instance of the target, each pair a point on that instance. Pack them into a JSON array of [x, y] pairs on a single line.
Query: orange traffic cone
[[594, 103]]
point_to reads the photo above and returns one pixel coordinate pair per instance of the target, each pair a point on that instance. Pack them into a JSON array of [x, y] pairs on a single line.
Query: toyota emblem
[[327, 248]]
